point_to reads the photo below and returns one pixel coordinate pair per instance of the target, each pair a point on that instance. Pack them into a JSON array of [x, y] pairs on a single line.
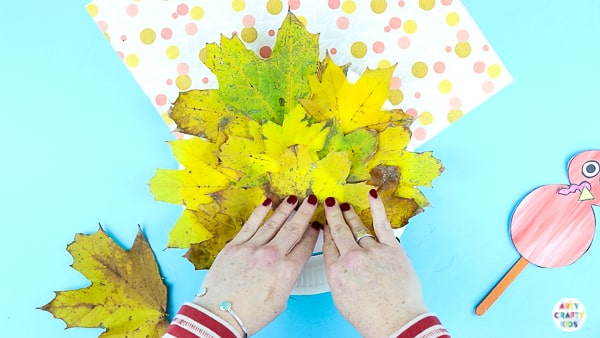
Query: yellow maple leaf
[[295, 130], [353, 105], [127, 296], [200, 177]]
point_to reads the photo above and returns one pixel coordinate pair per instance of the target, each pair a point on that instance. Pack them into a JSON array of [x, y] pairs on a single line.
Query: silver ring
[[362, 235]]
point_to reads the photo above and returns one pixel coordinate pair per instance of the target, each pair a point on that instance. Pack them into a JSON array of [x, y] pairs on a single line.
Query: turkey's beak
[[586, 195]]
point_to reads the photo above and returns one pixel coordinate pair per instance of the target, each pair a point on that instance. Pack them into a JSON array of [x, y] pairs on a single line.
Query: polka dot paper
[[445, 66]]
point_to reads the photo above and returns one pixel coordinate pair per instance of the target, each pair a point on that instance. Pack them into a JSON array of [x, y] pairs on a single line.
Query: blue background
[[80, 140]]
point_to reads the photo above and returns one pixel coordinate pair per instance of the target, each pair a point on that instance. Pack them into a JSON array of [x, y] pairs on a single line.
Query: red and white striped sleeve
[[193, 321], [426, 325]]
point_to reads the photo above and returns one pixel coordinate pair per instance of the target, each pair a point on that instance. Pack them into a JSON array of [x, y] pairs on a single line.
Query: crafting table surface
[[80, 140]]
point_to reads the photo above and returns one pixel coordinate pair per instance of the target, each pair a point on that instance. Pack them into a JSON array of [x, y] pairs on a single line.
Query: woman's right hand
[[372, 281]]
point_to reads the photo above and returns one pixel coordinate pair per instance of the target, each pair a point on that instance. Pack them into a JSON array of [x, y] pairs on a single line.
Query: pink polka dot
[[487, 87], [166, 33], [102, 25], [294, 4], [234, 33], [455, 103], [462, 35], [123, 38], [169, 82], [205, 80], [417, 95], [479, 67], [132, 10], [248, 21], [404, 42], [121, 55], [411, 111], [334, 4], [182, 9], [378, 47], [395, 22], [395, 83], [446, 2], [419, 134], [183, 68], [191, 28], [400, 3], [271, 32], [439, 67], [387, 28], [485, 48], [174, 15], [343, 22], [265, 51], [333, 51], [448, 49], [161, 99]]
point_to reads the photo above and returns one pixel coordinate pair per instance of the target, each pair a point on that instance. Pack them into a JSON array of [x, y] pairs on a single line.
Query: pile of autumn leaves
[[287, 125]]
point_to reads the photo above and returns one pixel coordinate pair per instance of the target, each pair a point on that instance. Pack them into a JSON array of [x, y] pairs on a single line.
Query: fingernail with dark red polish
[[267, 202], [330, 201], [312, 200], [316, 225], [345, 206], [373, 193], [292, 199]]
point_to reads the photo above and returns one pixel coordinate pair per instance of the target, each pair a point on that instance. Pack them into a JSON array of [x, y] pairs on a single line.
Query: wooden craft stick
[[487, 302]]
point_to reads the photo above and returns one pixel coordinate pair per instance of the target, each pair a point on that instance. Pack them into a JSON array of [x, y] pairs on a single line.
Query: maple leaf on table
[[127, 295], [286, 125]]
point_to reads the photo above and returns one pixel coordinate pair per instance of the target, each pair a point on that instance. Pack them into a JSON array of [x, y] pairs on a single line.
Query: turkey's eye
[[590, 169]]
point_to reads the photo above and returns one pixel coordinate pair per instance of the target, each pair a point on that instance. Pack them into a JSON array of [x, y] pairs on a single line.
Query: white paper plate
[[313, 280]]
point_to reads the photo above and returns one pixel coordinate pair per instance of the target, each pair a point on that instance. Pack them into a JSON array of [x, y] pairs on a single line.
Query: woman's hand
[[257, 270], [372, 281]]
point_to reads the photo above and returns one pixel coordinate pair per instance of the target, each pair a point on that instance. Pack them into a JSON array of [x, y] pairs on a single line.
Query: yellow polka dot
[[302, 19], [383, 64], [172, 52], [378, 6], [358, 49], [349, 6], [106, 36], [426, 118], [92, 9], [454, 115], [197, 12], [452, 19], [165, 116], [445, 86], [238, 5], [395, 96], [410, 26], [426, 5], [132, 60], [183, 82], [249, 34], [147, 36], [274, 6], [419, 69], [202, 55], [494, 71], [462, 49]]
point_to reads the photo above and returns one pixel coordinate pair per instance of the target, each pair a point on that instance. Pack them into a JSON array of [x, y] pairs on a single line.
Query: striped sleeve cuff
[[426, 325], [193, 321]]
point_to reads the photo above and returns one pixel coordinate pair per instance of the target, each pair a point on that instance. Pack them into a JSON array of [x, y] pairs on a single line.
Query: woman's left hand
[[257, 270]]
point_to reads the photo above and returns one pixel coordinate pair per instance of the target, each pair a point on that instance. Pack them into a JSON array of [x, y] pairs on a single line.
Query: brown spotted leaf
[[127, 296]]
